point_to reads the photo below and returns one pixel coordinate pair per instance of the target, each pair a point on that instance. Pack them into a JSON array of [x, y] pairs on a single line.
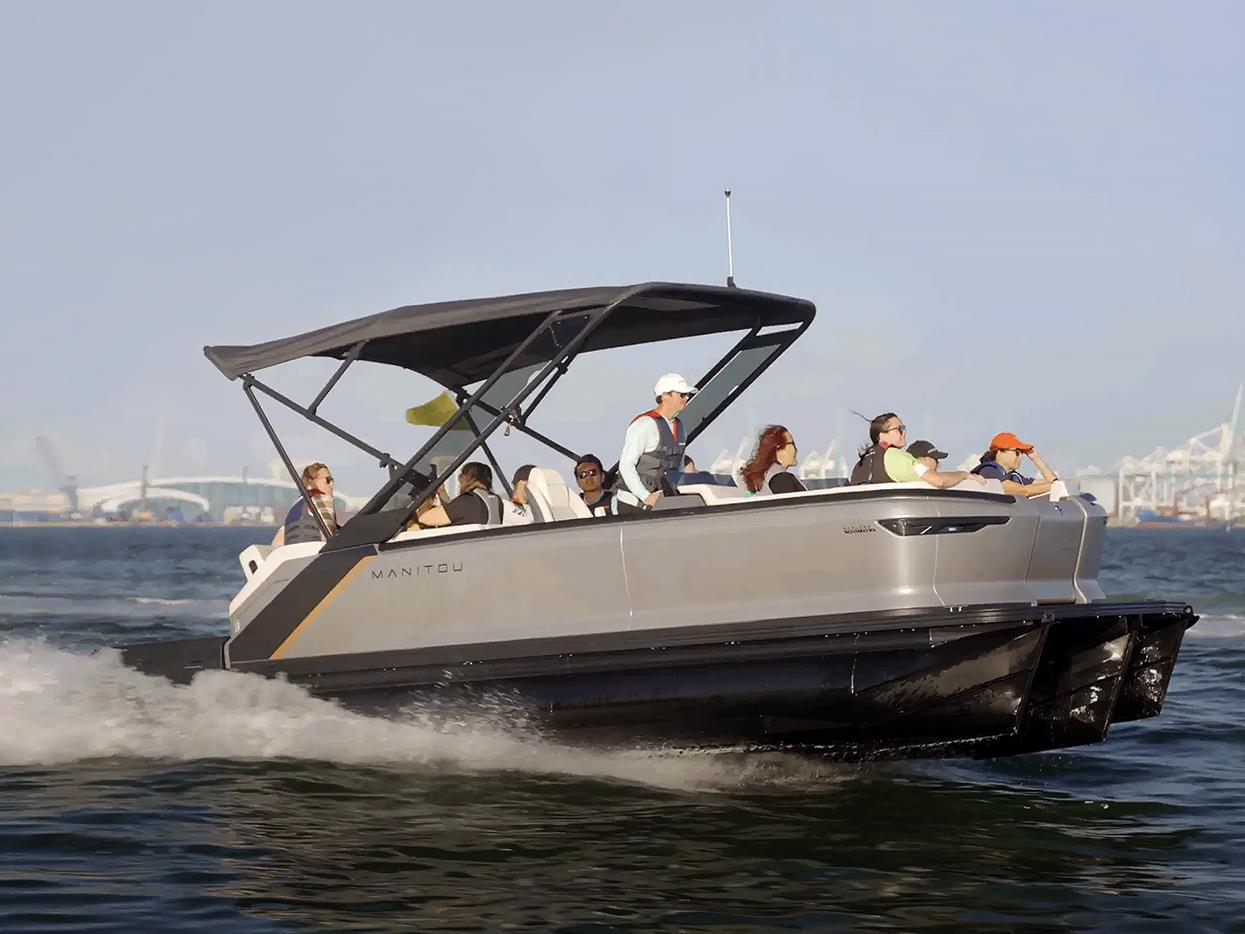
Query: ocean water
[[238, 804]]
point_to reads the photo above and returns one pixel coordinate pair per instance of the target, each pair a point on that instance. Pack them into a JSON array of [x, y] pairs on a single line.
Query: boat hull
[[981, 681]]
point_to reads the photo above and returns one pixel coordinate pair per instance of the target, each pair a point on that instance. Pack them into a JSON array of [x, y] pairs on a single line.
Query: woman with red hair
[[767, 471]]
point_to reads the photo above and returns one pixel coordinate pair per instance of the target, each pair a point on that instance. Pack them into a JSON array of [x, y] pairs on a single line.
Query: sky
[[1010, 216]]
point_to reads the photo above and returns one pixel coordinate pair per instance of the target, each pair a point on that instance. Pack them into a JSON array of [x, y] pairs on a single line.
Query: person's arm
[[1047, 474], [279, 539], [941, 479], [1036, 488], [434, 518], [641, 436]]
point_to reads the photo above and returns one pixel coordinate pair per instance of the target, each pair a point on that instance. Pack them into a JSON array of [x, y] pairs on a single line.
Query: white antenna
[[730, 253]]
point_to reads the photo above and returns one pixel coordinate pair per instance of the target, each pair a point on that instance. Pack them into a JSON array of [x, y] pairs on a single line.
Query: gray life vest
[[492, 503], [301, 525], [653, 466]]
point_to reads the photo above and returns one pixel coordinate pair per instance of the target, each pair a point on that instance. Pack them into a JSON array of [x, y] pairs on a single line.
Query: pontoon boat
[[859, 621]]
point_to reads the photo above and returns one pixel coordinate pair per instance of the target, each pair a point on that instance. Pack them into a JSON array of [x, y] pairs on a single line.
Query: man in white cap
[[653, 446]]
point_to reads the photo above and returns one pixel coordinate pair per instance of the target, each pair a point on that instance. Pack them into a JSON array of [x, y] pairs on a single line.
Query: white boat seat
[[418, 534], [713, 494], [551, 499], [252, 557]]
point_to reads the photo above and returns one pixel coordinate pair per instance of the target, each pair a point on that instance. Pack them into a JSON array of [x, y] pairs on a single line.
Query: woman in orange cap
[[1002, 462]]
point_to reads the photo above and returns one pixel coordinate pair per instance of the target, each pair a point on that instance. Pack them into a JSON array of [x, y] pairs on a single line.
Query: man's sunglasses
[[585, 474]]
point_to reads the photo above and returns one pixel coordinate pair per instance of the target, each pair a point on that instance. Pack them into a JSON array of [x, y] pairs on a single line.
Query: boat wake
[[63, 707]]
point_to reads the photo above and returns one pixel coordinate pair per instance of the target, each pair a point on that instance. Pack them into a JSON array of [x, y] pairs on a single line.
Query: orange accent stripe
[[328, 598]]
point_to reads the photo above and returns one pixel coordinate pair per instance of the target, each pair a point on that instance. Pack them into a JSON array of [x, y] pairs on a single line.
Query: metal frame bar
[[488, 452], [285, 458], [532, 432], [351, 357], [384, 459], [785, 340], [728, 356]]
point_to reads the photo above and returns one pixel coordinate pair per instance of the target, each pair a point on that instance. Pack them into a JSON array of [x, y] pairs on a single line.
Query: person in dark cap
[[925, 453]]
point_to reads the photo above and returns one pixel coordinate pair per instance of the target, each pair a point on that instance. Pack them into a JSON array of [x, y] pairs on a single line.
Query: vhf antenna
[[730, 253]]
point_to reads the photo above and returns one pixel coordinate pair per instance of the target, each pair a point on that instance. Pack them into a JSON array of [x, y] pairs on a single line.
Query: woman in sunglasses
[[769, 469], [884, 460], [590, 475], [1002, 462]]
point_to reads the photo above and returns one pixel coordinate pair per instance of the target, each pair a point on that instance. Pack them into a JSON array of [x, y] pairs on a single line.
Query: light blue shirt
[[642, 436]]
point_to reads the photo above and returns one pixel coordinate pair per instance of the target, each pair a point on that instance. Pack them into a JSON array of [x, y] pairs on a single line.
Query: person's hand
[[651, 500], [977, 478]]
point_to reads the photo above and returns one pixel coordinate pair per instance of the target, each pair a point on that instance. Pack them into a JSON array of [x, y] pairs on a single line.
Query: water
[[240, 804]]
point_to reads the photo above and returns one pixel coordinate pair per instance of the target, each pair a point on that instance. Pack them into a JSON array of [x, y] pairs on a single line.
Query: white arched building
[[219, 498]]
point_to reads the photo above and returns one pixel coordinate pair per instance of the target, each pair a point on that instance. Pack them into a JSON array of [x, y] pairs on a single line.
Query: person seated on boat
[[653, 446], [590, 475], [518, 511], [1002, 459], [769, 469], [884, 460], [300, 525], [475, 504], [926, 453]]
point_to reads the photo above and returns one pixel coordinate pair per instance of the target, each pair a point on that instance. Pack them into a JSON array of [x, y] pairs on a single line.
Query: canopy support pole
[[531, 433], [488, 452], [384, 459], [285, 458], [351, 357]]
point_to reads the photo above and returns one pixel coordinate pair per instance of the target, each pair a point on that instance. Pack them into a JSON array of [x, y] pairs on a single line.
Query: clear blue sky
[[1011, 216]]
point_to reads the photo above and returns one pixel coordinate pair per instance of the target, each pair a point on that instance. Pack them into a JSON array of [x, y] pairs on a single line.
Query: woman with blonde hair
[[300, 525], [768, 469]]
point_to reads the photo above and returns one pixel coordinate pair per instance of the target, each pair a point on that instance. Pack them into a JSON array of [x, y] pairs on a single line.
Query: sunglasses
[[585, 474], [902, 429]]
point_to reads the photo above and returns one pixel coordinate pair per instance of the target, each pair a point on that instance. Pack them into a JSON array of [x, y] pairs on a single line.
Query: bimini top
[[462, 342]]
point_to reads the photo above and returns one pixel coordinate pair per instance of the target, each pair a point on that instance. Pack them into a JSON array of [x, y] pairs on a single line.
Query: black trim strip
[[940, 525]]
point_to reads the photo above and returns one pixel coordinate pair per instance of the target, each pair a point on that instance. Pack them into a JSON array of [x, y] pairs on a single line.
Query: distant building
[[182, 499], [32, 506], [218, 499]]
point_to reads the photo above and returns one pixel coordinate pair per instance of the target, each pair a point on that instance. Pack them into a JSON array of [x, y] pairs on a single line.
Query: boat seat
[[418, 534], [551, 499], [252, 557], [713, 494]]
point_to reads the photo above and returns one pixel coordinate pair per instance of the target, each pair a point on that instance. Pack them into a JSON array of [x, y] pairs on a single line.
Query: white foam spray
[[63, 707]]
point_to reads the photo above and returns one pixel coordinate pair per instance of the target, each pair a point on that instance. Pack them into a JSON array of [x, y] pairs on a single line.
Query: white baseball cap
[[673, 382]]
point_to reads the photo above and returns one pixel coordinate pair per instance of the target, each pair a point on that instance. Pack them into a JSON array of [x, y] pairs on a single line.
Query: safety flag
[[436, 413]]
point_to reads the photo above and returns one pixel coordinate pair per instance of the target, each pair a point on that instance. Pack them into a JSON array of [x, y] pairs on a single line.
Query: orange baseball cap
[[1005, 440]]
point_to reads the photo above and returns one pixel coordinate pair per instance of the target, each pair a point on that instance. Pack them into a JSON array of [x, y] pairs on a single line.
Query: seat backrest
[[552, 498], [252, 557]]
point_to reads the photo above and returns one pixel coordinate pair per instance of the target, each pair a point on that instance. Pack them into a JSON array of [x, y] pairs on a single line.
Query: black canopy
[[462, 342]]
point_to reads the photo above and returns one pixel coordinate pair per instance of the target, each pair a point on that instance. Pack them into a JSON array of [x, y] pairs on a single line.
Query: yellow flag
[[436, 413]]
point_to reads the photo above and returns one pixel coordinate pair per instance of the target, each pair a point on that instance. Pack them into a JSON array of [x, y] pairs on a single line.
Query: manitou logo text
[[419, 570]]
